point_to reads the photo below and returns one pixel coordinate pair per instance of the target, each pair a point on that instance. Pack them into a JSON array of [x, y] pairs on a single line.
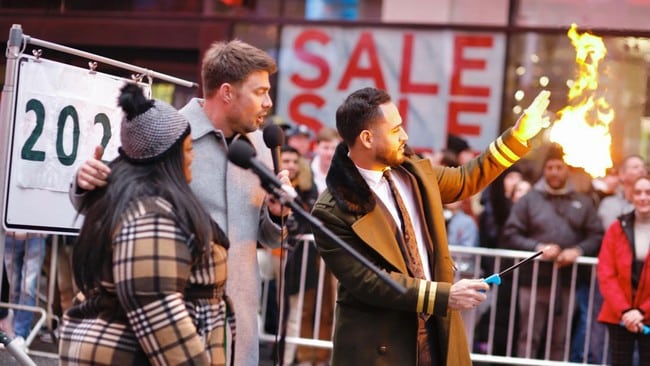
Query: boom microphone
[[274, 138], [243, 154]]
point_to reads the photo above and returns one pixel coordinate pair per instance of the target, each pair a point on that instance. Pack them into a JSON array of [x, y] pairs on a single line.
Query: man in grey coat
[[235, 81], [563, 222]]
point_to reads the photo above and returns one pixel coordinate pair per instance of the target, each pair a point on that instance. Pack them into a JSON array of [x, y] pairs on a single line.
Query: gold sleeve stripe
[[432, 296], [421, 292], [506, 150], [497, 155]]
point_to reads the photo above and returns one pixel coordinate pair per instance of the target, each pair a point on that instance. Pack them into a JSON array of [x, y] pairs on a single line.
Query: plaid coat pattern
[[157, 304]]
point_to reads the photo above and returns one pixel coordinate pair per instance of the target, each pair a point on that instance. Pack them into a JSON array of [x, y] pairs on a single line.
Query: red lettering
[[461, 63], [405, 83], [317, 61], [455, 109], [298, 117], [403, 108], [365, 45]]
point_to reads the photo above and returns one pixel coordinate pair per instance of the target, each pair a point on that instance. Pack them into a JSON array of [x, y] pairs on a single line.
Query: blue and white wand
[[495, 279]]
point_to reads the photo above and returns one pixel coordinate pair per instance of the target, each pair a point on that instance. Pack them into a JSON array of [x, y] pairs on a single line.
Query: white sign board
[[442, 81], [61, 114]]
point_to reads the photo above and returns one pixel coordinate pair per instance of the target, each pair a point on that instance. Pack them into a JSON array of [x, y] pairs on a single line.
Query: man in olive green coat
[[376, 325]]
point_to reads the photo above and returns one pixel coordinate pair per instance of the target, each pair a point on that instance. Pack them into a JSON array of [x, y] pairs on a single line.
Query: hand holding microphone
[[274, 206], [274, 139]]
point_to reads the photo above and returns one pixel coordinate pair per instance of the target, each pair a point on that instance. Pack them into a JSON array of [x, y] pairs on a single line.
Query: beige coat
[[375, 325]]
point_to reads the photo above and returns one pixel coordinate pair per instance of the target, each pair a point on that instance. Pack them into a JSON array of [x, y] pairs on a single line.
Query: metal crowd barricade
[[306, 241], [499, 255], [471, 259]]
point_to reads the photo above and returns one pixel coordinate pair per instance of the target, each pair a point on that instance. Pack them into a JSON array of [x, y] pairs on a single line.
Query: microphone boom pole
[[242, 154], [284, 198]]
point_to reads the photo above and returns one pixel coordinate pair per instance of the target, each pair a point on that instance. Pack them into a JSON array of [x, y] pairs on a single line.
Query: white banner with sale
[[442, 81], [62, 113]]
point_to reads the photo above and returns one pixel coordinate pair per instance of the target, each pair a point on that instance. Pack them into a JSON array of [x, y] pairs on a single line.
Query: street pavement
[[42, 353]]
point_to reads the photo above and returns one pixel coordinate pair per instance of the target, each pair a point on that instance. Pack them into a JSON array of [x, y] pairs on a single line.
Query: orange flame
[[583, 126]]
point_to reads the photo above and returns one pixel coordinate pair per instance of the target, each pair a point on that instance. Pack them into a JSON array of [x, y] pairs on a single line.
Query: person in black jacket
[[564, 223]]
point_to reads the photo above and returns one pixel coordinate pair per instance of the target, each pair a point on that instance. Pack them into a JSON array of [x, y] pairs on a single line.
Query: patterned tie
[[411, 248]]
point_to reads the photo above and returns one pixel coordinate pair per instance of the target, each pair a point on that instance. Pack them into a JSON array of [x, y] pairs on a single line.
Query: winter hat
[[150, 128]]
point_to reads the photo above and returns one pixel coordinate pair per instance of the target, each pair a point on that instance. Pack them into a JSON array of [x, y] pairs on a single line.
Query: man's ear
[[226, 92], [365, 137]]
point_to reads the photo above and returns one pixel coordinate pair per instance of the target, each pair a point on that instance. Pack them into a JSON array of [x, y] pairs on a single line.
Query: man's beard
[[391, 158], [239, 126], [556, 183]]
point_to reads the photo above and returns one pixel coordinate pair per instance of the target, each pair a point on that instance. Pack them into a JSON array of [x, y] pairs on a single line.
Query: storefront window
[[539, 61]]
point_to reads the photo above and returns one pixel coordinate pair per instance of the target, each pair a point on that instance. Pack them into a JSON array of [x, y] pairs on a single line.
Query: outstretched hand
[[93, 173], [534, 119]]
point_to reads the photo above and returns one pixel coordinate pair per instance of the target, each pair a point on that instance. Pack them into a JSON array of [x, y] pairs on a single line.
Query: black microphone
[[274, 138], [243, 154]]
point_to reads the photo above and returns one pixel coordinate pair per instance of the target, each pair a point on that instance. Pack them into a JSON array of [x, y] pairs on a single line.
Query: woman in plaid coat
[[150, 262]]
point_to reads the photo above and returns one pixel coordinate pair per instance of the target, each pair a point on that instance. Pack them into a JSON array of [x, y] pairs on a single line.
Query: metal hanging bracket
[[37, 53], [92, 65]]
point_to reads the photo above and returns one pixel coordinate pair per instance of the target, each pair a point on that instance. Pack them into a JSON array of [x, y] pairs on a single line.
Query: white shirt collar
[[372, 177]]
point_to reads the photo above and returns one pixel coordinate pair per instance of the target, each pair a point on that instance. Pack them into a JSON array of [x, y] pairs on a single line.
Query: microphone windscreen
[[241, 153], [273, 136]]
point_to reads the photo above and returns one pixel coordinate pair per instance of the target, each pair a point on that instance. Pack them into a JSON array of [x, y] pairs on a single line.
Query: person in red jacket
[[624, 279]]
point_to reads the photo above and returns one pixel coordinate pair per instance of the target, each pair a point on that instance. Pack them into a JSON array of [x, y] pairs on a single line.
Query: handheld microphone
[[243, 154], [274, 138]]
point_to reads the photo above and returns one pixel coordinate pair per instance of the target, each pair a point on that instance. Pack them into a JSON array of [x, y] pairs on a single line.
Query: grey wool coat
[[235, 200], [375, 325]]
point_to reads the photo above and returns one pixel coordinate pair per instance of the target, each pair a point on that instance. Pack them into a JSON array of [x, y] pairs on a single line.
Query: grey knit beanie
[[150, 128]]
